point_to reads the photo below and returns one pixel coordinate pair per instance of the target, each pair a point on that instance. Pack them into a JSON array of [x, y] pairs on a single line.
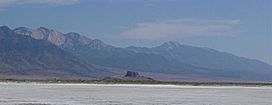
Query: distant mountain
[[97, 52], [25, 57], [170, 59], [203, 57], [214, 62]]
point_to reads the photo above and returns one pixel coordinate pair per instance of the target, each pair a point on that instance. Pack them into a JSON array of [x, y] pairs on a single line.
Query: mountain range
[[44, 53]]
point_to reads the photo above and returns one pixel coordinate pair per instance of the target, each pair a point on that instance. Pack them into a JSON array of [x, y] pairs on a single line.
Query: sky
[[241, 27]]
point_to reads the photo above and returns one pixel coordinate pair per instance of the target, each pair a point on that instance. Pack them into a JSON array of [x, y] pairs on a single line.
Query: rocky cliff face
[[24, 56], [69, 41], [131, 76], [42, 33]]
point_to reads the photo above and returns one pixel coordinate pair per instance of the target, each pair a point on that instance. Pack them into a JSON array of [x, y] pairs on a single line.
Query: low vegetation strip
[[139, 82]]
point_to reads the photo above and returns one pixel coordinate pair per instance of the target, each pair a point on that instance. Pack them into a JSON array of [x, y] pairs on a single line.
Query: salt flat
[[131, 94]]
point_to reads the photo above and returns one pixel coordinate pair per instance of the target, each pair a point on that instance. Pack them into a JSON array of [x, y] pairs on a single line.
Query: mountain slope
[[24, 56], [215, 62], [97, 52], [169, 58], [202, 57], [69, 41]]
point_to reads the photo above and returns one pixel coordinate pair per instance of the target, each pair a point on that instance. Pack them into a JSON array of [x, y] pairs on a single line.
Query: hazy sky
[[241, 27]]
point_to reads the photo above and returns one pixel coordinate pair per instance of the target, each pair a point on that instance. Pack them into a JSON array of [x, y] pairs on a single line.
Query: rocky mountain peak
[[47, 30], [97, 44], [170, 45], [42, 33], [73, 35], [4, 28], [43, 28], [69, 40], [23, 31], [83, 40], [173, 43]]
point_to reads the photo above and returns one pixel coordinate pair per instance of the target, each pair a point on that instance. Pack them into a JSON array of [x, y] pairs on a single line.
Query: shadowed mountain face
[[25, 56], [169, 58]]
